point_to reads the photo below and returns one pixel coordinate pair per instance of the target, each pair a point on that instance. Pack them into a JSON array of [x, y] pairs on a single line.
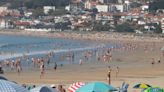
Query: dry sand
[[135, 67]]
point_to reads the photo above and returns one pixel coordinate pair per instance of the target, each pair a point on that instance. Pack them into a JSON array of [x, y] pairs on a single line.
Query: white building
[[88, 5], [48, 8], [120, 1], [27, 14], [118, 7], [145, 7], [68, 8], [101, 1], [141, 22], [127, 5], [162, 25], [2, 9], [3, 24], [102, 8]]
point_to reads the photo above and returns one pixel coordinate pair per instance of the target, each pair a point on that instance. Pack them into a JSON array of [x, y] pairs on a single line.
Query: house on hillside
[[162, 24], [2, 9], [48, 8], [22, 24], [3, 24]]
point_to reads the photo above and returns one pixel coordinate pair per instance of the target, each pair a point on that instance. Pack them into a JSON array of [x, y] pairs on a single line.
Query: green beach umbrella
[[96, 87], [141, 86], [153, 89]]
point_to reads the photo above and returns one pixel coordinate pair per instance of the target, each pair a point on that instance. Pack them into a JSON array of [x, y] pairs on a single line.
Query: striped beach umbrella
[[7, 86], [75, 86], [141, 86]]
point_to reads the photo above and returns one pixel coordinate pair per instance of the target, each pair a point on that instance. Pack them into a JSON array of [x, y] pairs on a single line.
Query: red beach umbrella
[[75, 86]]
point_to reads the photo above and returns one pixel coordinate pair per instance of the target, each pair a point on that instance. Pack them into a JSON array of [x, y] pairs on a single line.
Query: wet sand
[[135, 67]]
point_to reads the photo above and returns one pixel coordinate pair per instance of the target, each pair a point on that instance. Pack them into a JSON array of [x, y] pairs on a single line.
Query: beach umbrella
[[75, 86], [2, 78], [96, 87], [43, 89], [153, 89], [7, 86], [141, 86]]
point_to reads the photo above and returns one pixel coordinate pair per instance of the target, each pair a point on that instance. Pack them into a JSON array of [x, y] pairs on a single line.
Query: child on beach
[[117, 71]]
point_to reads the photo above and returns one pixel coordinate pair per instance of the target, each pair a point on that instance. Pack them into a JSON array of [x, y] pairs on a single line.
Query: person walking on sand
[[153, 62], [159, 61], [109, 75], [18, 66], [117, 71], [42, 70]]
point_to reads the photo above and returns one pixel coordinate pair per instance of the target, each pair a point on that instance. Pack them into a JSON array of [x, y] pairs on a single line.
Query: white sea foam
[[15, 55]]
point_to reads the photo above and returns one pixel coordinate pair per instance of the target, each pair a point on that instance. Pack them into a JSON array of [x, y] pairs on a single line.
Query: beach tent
[[7, 86], [96, 87], [75, 86], [2, 78], [153, 89], [141, 86], [43, 89]]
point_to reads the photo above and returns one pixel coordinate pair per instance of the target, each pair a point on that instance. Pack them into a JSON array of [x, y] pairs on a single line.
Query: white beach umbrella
[[7, 86], [43, 89]]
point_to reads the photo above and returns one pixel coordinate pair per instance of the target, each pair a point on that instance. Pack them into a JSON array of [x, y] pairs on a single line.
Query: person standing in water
[[42, 70], [55, 66], [18, 66]]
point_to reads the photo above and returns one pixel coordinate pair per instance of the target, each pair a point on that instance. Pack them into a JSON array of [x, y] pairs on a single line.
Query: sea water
[[12, 47]]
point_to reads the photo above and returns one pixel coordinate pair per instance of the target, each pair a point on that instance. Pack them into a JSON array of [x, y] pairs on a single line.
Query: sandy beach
[[135, 64]]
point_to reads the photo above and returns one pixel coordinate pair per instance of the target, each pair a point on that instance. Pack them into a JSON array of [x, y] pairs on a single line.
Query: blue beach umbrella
[[96, 87], [2, 78], [7, 86]]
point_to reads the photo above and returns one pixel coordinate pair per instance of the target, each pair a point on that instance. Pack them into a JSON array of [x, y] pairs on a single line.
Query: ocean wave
[[9, 56], [3, 45], [8, 45]]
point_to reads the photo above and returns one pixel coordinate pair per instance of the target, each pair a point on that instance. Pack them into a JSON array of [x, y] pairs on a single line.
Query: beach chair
[[124, 87]]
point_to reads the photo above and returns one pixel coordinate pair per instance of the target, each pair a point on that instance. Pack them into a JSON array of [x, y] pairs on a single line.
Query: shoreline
[[95, 36], [134, 63]]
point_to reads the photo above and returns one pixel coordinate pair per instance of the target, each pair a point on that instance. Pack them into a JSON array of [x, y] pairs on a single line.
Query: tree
[[32, 4], [135, 5], [59, 11], [157, 4], [101, 26], [157, 27], [38, 12], [125, 27]]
